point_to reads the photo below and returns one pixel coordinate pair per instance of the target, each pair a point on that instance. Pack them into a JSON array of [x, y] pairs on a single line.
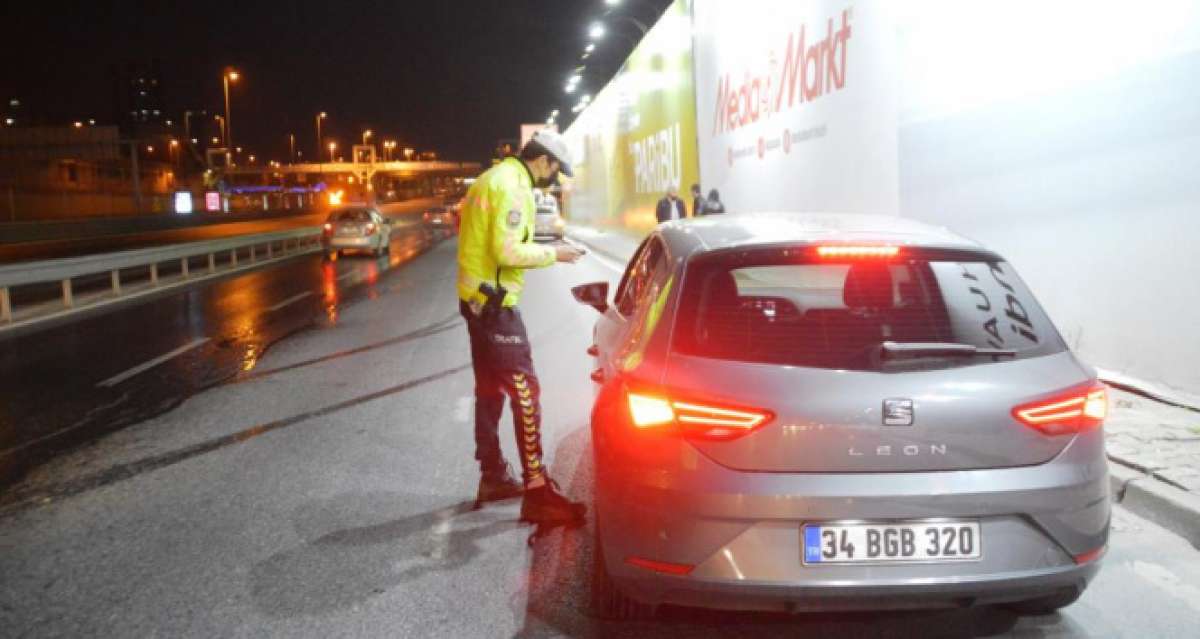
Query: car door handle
[[598, 376], [593, 350]]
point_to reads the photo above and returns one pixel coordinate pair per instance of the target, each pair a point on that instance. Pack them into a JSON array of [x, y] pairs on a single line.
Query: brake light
[[701, 420], [370, 228], [649, 411], [328, 228], [1072, 412], [844, 251], [426, 216]]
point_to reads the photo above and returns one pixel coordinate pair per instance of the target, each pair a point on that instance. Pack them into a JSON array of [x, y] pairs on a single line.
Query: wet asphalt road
[[58, 381], [324, 489]]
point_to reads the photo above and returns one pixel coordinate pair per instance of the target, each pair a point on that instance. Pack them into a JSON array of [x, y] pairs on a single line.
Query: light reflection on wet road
[[50, 377]]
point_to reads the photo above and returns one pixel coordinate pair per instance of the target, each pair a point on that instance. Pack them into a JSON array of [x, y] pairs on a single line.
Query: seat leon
[[816, 412]]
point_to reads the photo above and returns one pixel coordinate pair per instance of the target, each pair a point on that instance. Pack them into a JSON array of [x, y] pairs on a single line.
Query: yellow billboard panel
[[638, 136]]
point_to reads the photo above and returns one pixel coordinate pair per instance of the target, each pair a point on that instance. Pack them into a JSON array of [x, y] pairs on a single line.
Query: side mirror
[[594, 295]]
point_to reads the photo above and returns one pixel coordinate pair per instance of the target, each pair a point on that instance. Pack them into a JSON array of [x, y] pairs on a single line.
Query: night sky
[[449, 76]]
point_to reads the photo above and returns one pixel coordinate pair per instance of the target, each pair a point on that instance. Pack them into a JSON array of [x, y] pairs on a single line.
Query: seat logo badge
[[897, 412]]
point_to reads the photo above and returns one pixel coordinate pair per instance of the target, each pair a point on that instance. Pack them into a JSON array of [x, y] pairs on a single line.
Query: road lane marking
[[141, 368], [291, 300], [347, 275], [607, 262]]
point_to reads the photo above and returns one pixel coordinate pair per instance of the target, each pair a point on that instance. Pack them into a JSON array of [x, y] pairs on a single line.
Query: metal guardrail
[[67, 269]]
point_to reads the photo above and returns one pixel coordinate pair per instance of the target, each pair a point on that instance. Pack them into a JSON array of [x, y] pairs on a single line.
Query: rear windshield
[[788, 307], [354, 215]]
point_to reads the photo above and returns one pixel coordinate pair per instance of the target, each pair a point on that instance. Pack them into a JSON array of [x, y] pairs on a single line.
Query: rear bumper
[[766, 596], [741, 532]]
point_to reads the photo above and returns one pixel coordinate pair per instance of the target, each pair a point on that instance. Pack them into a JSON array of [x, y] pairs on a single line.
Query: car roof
[[716, 232]]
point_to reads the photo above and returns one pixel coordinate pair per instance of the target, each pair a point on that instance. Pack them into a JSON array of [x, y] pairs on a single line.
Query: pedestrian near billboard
[[697, 201], [671, 207], [713, 204]]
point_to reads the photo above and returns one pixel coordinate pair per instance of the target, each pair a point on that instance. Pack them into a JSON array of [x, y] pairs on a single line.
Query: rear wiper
[[937, 349]]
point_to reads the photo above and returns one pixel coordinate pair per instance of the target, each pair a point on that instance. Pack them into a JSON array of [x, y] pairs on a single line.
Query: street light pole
[[320, 116], [229, 75]]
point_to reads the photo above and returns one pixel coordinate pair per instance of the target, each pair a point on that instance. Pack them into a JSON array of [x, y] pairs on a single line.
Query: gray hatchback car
[[816, 412]]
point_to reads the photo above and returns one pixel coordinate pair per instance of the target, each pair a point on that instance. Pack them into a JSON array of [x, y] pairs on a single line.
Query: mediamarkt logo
[[808, 72]]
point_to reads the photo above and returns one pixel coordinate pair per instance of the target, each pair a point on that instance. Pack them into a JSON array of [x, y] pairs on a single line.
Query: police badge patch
[[514, 219]]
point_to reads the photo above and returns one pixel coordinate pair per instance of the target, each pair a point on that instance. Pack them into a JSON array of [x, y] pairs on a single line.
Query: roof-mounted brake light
[[858, 251]]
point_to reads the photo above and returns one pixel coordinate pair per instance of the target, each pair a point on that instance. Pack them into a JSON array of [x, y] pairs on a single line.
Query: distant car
[[440, 217], [357, 228], [813, 412], [548, 224]]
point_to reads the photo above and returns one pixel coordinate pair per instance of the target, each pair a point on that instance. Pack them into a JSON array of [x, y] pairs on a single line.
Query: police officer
[[495, 247]]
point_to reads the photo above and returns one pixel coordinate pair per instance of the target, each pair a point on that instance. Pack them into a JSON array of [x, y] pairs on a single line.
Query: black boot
[[545, 505], [497, 484]]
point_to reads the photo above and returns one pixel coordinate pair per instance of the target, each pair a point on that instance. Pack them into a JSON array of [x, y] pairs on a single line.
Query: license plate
[[892, 543]]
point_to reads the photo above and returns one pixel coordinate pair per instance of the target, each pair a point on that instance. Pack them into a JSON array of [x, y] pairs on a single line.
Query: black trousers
[[503, 364]]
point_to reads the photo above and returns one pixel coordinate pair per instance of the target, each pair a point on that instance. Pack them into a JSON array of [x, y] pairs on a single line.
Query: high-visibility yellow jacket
[[496, 233]]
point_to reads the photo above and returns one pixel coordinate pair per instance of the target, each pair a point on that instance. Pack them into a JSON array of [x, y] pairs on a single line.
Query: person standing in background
[[697, 201], [670, 207], [713, 204]]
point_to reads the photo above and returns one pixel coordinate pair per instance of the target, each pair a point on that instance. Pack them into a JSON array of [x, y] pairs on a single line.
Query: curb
[[1170, 507]]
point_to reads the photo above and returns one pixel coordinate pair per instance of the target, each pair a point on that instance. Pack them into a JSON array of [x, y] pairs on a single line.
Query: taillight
[[370, 228], [328, 228], [426, 216], [696, 419], [1074, 411]]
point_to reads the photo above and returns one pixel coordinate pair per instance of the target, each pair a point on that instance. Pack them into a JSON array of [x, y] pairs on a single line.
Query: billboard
[[796, 104], [638, 136]]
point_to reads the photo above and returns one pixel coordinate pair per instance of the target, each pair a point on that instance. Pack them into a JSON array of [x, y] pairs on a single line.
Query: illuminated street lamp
[[320, 116], [173, 150], [332, 148], [596, 31], [230, 75], [251, 159], [367, 134]]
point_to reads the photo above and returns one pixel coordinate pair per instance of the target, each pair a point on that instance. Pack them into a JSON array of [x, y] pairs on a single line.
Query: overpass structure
[[299, 185]]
